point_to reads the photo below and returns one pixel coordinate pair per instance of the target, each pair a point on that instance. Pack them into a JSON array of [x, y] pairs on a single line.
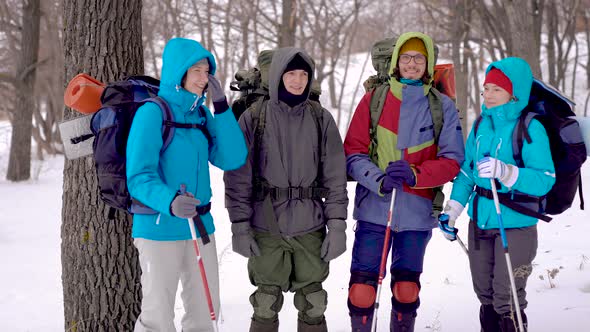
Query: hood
[[179, 55], [280, 60], [520, 74], [395, 85]]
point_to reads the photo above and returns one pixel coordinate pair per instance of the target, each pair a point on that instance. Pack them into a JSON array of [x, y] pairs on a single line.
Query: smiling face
[[197, 78], [493, 95], [295, 81], [412, 65]]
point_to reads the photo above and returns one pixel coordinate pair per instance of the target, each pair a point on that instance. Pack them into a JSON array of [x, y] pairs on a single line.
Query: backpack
[[110, 127], [253, 85], [568, 151], [378, 85]]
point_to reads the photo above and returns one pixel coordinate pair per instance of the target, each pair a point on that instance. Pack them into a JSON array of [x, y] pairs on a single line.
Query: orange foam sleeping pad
[[83, 94]]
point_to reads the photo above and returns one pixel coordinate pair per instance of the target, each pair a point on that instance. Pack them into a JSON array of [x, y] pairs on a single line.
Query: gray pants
[[163, 264], [488, 265]]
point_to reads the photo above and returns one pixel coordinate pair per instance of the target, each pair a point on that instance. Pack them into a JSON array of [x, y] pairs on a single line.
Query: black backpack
[[568, 151], [110, 126]]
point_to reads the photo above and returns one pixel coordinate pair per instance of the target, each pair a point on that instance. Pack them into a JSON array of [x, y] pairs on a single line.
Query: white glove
[[446, 220], [490, 168], [453, 209]]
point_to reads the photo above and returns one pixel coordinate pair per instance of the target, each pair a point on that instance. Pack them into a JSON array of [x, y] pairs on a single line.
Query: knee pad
[[362, 293], [405, 287], [267, 301], [311, 301], [405, 291]]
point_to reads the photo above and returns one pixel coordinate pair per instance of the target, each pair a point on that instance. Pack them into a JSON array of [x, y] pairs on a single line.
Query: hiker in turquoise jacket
[[489, 155], [163, 240]]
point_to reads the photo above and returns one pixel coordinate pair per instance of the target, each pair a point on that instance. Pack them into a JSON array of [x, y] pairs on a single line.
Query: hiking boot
[[509, 323], [304, 327], [361, 323], [402, 322], [256, 326], [489, 318]]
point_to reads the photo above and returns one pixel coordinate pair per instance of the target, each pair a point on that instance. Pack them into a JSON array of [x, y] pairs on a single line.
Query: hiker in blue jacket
[[489, 155], [166, 252]]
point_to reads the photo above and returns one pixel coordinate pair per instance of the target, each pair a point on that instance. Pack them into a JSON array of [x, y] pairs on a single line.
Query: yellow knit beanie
[[414, 44]]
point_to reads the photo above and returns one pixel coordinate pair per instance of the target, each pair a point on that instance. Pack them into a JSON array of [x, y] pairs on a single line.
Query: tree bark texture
[[522, 16], [288, 23], [19, 164], [100, 268]]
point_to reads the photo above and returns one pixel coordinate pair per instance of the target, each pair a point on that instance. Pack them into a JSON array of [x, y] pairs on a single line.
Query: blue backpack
[[110, 126], [568, 151]]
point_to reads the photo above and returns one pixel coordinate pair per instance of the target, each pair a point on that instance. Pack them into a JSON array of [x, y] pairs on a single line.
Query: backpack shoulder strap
[[258, 123], [378, 97], [318, 116], [476, 124], [167, 116], [519, 133], [435, 102]]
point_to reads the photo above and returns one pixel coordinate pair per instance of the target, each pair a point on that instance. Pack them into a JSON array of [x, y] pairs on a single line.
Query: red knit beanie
[[496, 76]]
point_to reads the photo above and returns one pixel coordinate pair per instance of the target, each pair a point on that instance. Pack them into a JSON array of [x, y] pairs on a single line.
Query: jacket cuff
[[221, 106]]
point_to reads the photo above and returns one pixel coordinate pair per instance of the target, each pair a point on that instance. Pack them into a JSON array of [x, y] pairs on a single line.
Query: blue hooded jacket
[[154, 178], [494, 137]]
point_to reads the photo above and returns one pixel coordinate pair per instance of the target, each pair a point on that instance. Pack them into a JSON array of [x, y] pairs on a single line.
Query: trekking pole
[[507, 254], [201, 267], [462, 245], [384, 255]]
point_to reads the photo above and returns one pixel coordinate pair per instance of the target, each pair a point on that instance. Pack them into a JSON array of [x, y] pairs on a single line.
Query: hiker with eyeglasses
[[411, 159]]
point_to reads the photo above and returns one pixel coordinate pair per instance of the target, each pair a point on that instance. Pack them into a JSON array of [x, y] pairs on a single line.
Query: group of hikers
[[286, 168]]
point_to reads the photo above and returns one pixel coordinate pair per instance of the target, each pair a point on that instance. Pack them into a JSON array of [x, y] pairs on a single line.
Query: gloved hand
[[242, 240], [388, 184], [446, 220], [489, 167], [401, 169], [334, 244], [184, 206], [215, 90]]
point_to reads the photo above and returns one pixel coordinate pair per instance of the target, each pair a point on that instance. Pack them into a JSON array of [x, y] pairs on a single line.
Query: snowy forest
[[95, 269]]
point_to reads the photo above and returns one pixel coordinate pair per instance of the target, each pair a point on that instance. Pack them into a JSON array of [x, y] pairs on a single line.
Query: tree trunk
[[100, 268], [460, 42], [19, 162], [288, 24], [523, 18]]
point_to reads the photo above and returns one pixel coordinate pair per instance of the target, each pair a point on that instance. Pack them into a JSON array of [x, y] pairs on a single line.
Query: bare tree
[[19, 164], [100, 267]]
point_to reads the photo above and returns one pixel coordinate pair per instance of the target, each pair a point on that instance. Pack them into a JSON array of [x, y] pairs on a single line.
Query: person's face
[[494, 95], [197, 78], [412, 65], [295, 81]]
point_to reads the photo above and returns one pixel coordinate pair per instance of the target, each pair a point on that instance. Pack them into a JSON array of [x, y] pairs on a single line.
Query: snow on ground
[[30, 217]]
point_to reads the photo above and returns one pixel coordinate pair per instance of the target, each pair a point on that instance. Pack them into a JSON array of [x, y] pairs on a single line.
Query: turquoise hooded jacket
[[154, 178], [494, 137]]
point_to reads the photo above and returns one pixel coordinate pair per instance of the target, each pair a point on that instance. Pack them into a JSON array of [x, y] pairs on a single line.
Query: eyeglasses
[[419, 59]]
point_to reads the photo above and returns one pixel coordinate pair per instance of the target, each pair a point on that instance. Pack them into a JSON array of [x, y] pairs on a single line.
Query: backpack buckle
[[294, 193]]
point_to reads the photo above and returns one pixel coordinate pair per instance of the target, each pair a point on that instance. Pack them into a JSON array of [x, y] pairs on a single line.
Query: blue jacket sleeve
[[143, 158], [228, 151], [360, 167]]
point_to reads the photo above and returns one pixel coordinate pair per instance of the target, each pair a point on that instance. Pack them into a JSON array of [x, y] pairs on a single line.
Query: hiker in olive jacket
[[281, 201]]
